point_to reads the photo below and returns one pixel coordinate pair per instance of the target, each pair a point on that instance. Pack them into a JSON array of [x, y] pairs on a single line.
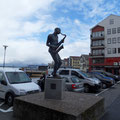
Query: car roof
[[5, 69], [98, 71], [69, 69], [69, 76]]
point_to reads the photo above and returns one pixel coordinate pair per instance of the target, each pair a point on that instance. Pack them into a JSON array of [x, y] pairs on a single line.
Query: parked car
[[107, 81], [72, 83], [89, 83], [14, 82], [115, 77]]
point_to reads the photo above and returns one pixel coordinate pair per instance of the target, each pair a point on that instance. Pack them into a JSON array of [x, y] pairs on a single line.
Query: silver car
[[90, 84], [73, 84]]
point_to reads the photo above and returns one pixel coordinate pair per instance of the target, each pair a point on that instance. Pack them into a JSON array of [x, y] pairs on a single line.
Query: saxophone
[[59, 47]]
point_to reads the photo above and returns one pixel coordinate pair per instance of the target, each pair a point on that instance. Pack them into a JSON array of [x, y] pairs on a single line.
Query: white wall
[[107, 25]]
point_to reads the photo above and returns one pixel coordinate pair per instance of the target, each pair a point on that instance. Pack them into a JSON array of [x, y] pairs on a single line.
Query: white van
[[14, 82]]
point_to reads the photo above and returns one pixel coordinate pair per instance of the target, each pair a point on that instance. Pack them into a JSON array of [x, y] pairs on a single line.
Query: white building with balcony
[[105, 45]]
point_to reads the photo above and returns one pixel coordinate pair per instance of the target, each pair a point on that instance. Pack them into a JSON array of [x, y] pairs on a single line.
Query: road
[[113, 111]]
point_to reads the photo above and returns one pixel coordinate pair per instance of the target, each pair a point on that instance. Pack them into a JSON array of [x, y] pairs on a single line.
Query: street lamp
[[5, 46]]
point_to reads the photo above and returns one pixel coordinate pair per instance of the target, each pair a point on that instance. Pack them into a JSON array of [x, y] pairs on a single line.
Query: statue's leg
[[55, 58], [59, 61]]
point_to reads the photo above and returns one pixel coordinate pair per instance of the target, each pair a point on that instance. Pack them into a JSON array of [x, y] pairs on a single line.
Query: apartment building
[[74, 62], [65, 62], [105, 45]]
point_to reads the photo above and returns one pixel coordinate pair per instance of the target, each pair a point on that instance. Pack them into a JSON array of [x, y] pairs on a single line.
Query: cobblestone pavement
[[113, 111]]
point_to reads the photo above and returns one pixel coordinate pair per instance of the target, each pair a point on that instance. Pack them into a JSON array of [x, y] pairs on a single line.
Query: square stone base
[[54, 88], [75, 106]]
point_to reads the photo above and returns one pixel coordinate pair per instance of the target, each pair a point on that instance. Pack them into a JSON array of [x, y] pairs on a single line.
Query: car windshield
[[84, 74], [91, 75], [107, 73], [17, 77], [102, 75], [75, 80]]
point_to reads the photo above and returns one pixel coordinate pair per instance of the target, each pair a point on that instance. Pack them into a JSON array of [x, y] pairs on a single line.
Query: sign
[[115, 63]]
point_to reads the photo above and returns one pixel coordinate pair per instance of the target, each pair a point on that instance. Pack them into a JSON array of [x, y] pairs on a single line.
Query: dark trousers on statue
[[57, 62]]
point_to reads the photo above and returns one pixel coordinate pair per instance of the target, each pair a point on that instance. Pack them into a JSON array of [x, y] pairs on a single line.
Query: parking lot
[[5, 111], [110, 95]]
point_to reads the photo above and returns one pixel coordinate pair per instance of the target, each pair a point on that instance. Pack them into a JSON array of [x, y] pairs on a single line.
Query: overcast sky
[[25, 25]]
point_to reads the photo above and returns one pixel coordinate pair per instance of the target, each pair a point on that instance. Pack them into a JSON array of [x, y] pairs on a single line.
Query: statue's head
[[57, 30]]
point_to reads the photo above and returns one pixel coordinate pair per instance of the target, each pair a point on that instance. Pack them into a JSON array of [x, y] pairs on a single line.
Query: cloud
[[25, 24], [15, 15], [24, 19], [87, 9], [75, 49], [33, 51]]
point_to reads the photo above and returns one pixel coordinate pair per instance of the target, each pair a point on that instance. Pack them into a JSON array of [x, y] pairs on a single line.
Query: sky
[[25, 25]]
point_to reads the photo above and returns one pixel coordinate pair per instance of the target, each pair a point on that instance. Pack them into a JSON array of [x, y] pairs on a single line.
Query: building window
[[111, 21], [118, 29], [113, 30], [93, 52], [113, 40], [98, 52], [102, 42], [109, 40], [118, 39], [98, 43], [98, 34], [93, 34], [114, 50], [108, 31], [98, 61], [118, 50], [64, 72], [109, 50]]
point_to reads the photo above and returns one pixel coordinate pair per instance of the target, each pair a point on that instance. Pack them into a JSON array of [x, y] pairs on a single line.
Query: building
[[105, 45], [74, 62], [65, 62], [84, 63]]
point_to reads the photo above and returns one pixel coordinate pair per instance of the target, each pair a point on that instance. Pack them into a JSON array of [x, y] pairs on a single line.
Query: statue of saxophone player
[[54, 48]]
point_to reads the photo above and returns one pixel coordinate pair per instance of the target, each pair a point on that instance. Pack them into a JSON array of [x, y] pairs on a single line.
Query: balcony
[[102, 36], [97, 56], [97, 46]]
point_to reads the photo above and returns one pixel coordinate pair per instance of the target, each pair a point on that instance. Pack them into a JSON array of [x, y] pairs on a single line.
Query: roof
[[108, 17], [97, 26], [104, 19], [74, 56], [68, 69], [85, 56]]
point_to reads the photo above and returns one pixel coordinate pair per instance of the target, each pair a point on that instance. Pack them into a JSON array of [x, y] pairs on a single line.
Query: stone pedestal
[[54, 88], [74, 106]]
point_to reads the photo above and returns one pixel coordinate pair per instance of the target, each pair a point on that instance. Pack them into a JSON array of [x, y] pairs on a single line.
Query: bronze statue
[[54, 48]]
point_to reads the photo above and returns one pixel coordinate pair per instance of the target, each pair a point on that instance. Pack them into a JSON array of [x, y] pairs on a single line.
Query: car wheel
[[86, 89], [9, 99]]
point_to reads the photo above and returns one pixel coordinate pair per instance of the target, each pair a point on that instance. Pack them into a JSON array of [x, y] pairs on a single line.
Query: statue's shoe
[[57, 76]]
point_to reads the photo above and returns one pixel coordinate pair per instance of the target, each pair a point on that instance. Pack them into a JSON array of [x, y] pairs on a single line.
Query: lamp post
[[5, 46]]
